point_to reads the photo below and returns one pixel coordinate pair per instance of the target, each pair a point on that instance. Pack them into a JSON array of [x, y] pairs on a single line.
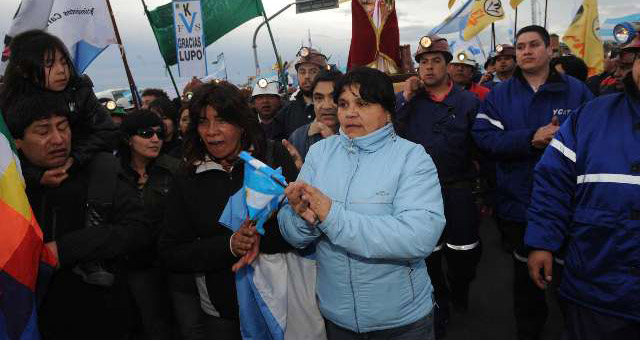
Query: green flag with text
[[219, 18]]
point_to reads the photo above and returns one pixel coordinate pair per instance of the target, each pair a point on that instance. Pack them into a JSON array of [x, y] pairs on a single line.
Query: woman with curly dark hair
[[193, 241]]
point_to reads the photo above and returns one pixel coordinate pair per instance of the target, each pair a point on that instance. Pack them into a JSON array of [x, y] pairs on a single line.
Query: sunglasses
[[147, 133]]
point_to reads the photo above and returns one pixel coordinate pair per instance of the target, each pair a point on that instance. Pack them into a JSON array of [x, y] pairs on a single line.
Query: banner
[[84, 26], [219, 18], [483, 13], [455, 22], [189, 37], [583, 39]]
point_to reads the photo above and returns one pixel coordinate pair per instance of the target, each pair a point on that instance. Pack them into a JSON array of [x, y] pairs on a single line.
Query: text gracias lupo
[[190, 48]]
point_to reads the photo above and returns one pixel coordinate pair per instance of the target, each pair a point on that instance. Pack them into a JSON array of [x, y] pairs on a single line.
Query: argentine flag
[[276, 293], [84, 26]]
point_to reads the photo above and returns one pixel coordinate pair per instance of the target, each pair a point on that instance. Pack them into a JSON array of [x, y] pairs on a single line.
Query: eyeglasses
[[147, 133]]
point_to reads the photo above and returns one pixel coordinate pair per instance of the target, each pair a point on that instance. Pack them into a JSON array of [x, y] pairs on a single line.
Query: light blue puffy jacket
[[386, 217]]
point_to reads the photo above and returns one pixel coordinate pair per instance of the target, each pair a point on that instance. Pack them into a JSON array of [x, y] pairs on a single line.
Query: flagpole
[[493, 35], [515, 26], [283, 82], [546, 6], [132, 84], [226, 76], [173, 80]]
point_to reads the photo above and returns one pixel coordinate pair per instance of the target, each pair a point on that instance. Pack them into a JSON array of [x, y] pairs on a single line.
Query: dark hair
[[165, 108], [231, 106], [331, 75], [572, 66], [158, 93], [542, 32], [27, 109], [26, 68], [553, 35], [375, 87], [132, 122]]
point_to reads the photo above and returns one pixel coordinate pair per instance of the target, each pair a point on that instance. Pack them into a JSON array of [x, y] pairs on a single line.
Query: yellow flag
[[483, 13], [515, 3], [582, 37], [451, 3]]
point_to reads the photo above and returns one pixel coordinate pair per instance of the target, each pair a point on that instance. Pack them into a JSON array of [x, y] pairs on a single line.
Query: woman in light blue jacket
[[370, 201]]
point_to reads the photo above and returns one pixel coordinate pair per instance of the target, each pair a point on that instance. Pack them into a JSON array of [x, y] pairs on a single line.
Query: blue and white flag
[[276, 293], [456, 22], [84, 26], [264, 189]]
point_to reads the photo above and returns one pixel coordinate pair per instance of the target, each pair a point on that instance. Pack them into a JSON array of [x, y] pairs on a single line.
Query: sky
[[330, 32]]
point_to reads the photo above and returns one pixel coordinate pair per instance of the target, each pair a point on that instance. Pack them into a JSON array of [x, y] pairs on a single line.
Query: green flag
[[219, 18]]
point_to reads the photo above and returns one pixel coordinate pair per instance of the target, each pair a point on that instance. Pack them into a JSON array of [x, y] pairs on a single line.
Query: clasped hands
[[308, 202]]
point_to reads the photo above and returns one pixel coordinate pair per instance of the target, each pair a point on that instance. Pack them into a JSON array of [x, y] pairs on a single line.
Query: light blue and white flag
[[84, 26], [456, 21], [606, 31], [263, 188], [276, 293]]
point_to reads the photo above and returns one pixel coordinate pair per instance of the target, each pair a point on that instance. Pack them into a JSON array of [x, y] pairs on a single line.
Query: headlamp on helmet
[[425, 42], [499, 48], [625, 32], [188, 95], [462, 56], [110, 105], [304, 52], [262, 83]]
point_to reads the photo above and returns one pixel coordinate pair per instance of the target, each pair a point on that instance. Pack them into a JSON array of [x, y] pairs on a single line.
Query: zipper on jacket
[[413, 292], [346, 202]]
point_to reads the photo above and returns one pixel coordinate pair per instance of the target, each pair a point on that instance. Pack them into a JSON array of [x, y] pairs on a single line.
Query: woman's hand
[[294, 193], [242, 241], [318, 202]]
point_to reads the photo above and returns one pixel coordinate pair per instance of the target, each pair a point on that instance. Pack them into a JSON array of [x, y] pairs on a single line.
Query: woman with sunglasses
[[152, 173], [192, 240]]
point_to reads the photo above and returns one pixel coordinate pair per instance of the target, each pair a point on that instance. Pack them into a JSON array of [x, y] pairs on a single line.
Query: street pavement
[[490, 313]]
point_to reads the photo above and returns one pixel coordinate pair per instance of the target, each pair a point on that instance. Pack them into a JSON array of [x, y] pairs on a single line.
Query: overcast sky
[[330, 32]]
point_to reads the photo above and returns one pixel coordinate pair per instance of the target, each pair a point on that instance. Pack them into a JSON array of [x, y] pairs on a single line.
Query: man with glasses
[[299, 111], [586, 198]]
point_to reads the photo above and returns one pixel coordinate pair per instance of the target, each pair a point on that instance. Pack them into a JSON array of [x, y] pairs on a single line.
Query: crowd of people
[[387, 190]]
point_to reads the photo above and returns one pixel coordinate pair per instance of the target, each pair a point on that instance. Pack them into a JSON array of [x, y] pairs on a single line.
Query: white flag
[[83, 25]]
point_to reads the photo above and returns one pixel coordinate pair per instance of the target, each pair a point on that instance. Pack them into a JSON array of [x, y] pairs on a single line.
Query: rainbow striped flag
[[24, 261]]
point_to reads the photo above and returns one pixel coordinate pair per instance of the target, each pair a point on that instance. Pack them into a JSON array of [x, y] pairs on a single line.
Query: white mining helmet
[[264, 86], [463, 57]]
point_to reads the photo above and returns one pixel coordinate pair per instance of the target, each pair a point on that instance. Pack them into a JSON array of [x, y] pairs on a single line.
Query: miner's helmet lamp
[[304, 52], [110, 105], [425, 42], [262, 83], [462, 57], [625, 32], [188, 95], [499, 48]]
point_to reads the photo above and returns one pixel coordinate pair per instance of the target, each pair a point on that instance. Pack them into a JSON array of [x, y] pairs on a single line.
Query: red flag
[[375, 37]]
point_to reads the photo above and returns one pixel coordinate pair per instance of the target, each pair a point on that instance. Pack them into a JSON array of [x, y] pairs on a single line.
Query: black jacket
[[292, 116], [154, 195], [92, 127], [192, 240], [61, 214]]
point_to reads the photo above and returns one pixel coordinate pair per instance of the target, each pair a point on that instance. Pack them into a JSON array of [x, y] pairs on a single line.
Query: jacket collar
[[207, 165], [556, 82], [371, 142]]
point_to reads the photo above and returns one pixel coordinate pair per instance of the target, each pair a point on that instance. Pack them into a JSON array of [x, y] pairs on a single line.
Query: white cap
[[124, 103], [270, 88], [463, 57]]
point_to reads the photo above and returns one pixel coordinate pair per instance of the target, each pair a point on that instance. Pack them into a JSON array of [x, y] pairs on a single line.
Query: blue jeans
[[419, 330]]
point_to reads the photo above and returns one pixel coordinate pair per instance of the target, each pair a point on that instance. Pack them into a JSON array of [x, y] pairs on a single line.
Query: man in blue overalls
[[436, 113]]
